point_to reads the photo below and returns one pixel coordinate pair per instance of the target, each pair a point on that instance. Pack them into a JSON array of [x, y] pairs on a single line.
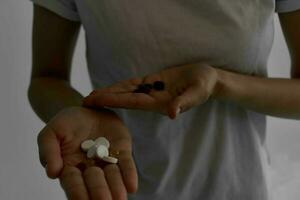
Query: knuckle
[[129, 166], [200, 82], [111, 168], [92, 170], [70, 173], [121, 195], [73, 189]]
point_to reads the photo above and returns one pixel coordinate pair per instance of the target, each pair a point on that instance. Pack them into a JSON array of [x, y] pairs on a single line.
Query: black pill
[[159, 85]]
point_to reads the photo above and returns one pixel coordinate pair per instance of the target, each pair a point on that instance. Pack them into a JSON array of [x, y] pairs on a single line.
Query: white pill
[[102, 151], [87, 144], [110, 159], [92, 152], [102, 141]]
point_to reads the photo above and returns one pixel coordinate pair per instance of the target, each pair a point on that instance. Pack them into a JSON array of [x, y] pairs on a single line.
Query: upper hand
[[59, 150], [185, 86]]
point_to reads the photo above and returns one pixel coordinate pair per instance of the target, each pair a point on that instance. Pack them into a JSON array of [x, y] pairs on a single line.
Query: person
[[203, 136]]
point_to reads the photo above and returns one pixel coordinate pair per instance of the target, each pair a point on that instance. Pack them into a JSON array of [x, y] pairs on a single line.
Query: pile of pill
[[98, 149], [146, 88]]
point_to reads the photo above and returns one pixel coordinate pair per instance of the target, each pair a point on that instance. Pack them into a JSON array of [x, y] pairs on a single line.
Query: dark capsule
[[159, 85]]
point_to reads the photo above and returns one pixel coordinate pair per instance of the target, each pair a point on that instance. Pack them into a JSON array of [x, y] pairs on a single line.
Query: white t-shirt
[[215, 151]]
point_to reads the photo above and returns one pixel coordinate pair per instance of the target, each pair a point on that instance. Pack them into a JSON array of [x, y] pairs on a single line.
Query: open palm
[[121, 95], [185, 86], [59, 148]]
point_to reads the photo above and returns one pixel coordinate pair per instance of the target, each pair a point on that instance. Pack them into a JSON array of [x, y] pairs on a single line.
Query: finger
[[115, 182], [183, 102], [96, 184], [49, 152], [128, 171], [122, 100], [116, 88], [119, 87], [73, 184]]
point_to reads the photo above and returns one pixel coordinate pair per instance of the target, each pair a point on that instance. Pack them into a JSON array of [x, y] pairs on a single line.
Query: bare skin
[[67, 124], [192, 84], [59, 148], [57, 103], [186, 86]]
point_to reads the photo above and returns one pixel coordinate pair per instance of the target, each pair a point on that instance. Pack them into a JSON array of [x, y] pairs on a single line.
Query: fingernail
[[178, 111]]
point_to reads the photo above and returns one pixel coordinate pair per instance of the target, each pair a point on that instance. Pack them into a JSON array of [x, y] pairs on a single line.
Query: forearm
[[48, 96], [271, 96]]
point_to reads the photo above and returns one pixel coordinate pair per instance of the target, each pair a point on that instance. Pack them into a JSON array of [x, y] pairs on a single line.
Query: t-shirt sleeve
[[283, 6], [64, 8]]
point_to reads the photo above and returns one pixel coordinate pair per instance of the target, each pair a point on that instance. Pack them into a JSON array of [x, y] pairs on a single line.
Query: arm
[[50, 93], [193, 84], [272, 96], [53, 42]]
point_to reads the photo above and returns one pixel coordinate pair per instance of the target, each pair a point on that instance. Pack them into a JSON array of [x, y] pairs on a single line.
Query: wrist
[[232, 86], [220, 90], [226, 87]]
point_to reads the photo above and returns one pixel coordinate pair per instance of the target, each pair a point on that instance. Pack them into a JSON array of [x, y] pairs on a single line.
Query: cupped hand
[[59, 149], [185, 86]]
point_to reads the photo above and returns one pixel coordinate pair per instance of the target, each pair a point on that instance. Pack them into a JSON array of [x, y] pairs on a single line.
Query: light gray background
[[22, 177]]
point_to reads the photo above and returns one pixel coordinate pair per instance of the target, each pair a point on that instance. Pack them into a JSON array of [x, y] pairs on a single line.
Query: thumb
[[189, 98], [49, 152]]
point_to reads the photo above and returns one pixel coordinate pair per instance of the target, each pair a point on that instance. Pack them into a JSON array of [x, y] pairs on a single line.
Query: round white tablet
[[92, 152], [102, 151], [110, 159], [102, 141], [87, 144]]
